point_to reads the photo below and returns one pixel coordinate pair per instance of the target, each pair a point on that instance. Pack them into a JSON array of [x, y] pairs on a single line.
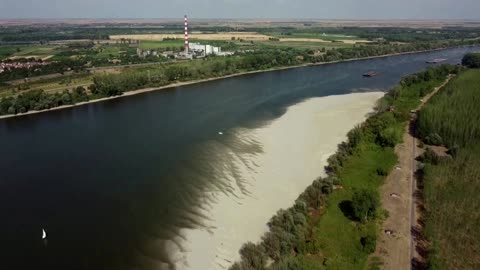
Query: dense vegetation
[[471, 60], [55, 32], [391, 34], [333, 224], [39, 100], [452, 117], [451, 184]]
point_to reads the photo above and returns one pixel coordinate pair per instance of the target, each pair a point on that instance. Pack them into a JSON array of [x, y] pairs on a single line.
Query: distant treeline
[[451, 183], [45, 34], [37, 100], [293, 241], [390, 34], [30, 34]]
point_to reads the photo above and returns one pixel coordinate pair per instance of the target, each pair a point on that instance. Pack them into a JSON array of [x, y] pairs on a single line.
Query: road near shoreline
[[399, 236]]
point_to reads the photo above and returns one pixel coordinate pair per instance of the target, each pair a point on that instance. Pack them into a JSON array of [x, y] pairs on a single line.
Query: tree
[[369, 243], [471, 60], [253, 256], [365, 203]]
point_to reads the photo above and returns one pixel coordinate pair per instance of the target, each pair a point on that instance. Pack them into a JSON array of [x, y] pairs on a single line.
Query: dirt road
[[400, 233]]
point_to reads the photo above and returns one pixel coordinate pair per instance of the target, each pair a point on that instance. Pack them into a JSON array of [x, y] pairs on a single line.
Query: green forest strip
[[452, 183], [334, 223], [216, 67]]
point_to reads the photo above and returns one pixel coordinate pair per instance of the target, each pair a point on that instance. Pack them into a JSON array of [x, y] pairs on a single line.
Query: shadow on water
[[113, 183]]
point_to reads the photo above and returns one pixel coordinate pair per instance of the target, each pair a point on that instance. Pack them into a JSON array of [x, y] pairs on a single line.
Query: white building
[[204, 49]]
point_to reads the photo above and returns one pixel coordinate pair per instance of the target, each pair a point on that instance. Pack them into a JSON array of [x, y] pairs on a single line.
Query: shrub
[[253, 256], [369, 243]]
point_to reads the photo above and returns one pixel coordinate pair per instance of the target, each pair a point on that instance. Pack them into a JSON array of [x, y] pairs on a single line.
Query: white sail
[[44, 234]]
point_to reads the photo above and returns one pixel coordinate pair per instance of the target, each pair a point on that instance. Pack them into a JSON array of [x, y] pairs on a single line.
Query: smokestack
[[186, 35]]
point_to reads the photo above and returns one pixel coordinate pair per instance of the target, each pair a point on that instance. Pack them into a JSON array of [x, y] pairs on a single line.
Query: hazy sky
[[321, 9]]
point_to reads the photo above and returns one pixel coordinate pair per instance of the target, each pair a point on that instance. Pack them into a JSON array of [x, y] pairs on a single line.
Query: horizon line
[[246, 19]]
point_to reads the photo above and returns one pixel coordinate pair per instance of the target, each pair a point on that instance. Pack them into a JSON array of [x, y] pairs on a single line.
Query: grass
[[339, 236], [301, 44], [6, 51], [37, 50], [149, 44], [50, 85], [314, 35]]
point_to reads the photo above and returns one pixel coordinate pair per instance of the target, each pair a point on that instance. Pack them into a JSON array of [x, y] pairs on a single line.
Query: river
[[106, 178]]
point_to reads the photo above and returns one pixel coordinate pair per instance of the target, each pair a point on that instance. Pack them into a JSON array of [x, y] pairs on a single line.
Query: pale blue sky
[[320, 9]]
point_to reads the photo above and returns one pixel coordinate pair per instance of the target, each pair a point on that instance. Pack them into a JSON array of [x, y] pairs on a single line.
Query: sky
[[268, 9]]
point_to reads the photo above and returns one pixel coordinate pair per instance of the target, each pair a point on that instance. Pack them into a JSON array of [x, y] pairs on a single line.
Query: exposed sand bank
[[295, 148]]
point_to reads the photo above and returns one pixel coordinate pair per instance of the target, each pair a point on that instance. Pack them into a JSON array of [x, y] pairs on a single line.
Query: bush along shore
[[450, 179], [163, 75], [334, 223]]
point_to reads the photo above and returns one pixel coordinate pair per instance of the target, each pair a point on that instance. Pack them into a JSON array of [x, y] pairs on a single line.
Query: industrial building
[[204, 50]]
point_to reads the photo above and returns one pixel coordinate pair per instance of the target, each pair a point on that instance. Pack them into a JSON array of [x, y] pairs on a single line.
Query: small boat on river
[[370, 74], [436, 61]]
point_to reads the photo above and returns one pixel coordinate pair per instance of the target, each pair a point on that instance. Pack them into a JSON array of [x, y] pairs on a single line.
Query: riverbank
[[294, 150], [178, 84], [341, 229]]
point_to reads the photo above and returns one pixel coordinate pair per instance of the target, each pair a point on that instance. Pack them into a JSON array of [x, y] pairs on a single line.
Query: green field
[[36, 50], [147, 44], [313, 35]]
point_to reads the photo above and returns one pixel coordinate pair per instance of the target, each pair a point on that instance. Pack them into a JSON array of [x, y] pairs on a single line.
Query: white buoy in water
[[44, 234], [220, 133]]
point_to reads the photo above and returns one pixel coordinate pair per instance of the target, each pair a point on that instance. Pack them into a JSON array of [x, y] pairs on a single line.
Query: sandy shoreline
[[295, 148], [144, 90]]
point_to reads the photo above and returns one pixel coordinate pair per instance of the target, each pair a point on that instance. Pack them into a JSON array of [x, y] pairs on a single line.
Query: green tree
[[369, 243], [471, 60], [365, 203], [253, 256]]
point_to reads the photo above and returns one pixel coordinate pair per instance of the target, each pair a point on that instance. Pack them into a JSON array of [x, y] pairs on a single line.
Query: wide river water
[[107, 179]]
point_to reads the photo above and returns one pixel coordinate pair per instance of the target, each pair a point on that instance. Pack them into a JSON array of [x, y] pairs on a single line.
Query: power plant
[[191, 50]]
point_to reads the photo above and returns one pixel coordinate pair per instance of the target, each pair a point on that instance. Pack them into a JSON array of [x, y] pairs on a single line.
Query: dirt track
[[400, 247]]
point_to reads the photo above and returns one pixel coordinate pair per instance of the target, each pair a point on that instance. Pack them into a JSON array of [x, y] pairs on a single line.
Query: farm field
[[220, 36]]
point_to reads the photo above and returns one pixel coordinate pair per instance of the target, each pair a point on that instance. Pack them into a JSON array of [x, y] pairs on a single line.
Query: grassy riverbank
[[326, 228], [139, 81], [451, 185]]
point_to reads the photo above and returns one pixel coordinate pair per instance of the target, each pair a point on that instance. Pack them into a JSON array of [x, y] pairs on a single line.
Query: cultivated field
[[244, 36], [219, 36]]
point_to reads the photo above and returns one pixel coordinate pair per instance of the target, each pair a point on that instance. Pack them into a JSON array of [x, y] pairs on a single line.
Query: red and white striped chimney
[[186, 35]]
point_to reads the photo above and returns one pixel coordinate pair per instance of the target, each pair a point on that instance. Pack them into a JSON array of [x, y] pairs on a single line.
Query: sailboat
[[44, 234]]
